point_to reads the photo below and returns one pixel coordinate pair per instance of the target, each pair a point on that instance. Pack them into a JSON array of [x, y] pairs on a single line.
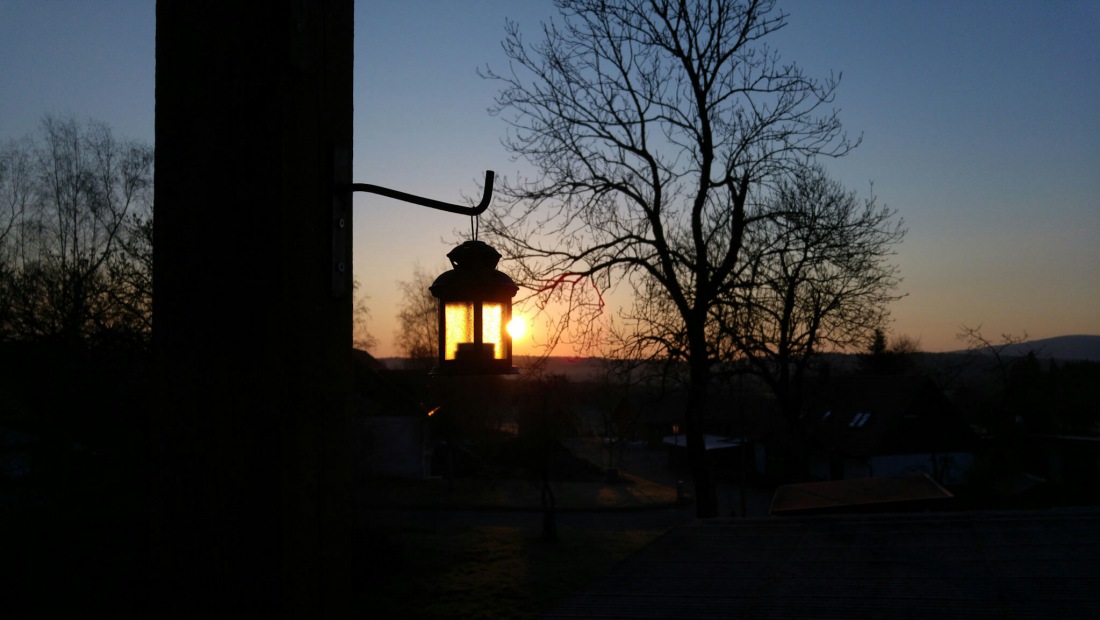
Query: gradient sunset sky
[[980, 124]]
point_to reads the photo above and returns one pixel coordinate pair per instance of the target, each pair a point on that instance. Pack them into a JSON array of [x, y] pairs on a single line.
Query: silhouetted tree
[[130, 281], [1000, 352], [878, 343], [76, 234], [1020, 398], [16, 192], [547, 414], [418, 320], [619, 417], [996, 411], [1026, 393], [361, 336], [1072, 396], [656, 130], [818, 277], [894, 357], [15, 195]]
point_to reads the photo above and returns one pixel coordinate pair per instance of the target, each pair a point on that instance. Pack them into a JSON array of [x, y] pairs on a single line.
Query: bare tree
[[128, 310], [361, 336], [1004, 356], [418, 320], [656, 128], [78, 239], [16, 191], [819, 277], [1004, 352]]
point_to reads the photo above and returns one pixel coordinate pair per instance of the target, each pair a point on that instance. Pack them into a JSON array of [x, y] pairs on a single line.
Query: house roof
[[864, 494], [376, 394], [866, 416]]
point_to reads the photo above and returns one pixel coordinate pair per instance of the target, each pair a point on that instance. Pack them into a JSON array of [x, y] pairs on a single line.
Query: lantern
[[475, 306]]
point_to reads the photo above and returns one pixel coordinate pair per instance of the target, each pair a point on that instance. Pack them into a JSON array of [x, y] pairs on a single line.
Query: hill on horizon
[[1075, 348]]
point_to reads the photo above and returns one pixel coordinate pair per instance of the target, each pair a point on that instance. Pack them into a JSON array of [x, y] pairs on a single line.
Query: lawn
[[482, 572]]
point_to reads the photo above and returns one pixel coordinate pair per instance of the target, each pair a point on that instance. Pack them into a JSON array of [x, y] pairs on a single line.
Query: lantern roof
[[474, 275], [474, 254]]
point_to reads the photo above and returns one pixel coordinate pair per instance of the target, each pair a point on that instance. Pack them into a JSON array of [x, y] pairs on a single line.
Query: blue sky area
[[979, 124]]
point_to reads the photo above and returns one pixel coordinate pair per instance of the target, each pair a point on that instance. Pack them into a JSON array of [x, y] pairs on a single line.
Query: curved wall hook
[[486, 197]]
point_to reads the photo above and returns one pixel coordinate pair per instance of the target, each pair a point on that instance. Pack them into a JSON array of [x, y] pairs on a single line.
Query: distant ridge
[[1080, 348]]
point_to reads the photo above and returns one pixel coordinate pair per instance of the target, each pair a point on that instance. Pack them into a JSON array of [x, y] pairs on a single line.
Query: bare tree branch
[[657, 130], [76, 243]]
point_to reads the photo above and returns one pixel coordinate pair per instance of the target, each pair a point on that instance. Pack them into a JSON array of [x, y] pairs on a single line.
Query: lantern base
[[465, 367]]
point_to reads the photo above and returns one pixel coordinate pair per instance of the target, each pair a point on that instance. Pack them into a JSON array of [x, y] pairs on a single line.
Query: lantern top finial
[[474, 254]]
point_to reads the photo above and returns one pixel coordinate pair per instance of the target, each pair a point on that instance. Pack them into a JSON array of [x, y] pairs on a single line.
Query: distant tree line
[[76, 236], [76, 239]]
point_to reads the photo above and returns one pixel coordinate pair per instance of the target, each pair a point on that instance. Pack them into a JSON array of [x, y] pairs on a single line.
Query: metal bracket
[[341, 213], [486, 197]]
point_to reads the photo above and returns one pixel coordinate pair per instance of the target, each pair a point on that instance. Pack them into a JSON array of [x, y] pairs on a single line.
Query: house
[[392, 429], [725, 454], [733, 425], [1069, 461], [876, 426]]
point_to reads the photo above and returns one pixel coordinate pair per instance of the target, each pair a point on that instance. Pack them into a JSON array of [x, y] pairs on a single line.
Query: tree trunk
[[796, 464], [706, 497]]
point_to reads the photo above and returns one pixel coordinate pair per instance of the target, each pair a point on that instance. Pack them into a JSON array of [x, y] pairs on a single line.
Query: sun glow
[[516, 328]]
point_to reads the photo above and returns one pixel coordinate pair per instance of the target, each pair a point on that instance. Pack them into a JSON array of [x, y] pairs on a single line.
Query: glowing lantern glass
[[475, 306]]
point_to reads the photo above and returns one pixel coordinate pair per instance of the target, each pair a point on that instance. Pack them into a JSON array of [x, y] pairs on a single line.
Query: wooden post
[[250, 512]]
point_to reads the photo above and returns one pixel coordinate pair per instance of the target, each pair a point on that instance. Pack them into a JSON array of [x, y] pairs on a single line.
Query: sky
[[979, 123]]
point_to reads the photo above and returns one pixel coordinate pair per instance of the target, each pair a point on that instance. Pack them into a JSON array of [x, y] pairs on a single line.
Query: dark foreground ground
[[625, 548], [1012, 564], [1007, 564], [476, 548]]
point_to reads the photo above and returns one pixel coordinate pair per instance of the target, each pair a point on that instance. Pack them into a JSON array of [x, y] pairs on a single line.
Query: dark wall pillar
[[251, 428]]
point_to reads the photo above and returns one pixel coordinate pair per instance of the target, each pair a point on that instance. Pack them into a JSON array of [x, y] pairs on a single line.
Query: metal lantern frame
[[475, 307]]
